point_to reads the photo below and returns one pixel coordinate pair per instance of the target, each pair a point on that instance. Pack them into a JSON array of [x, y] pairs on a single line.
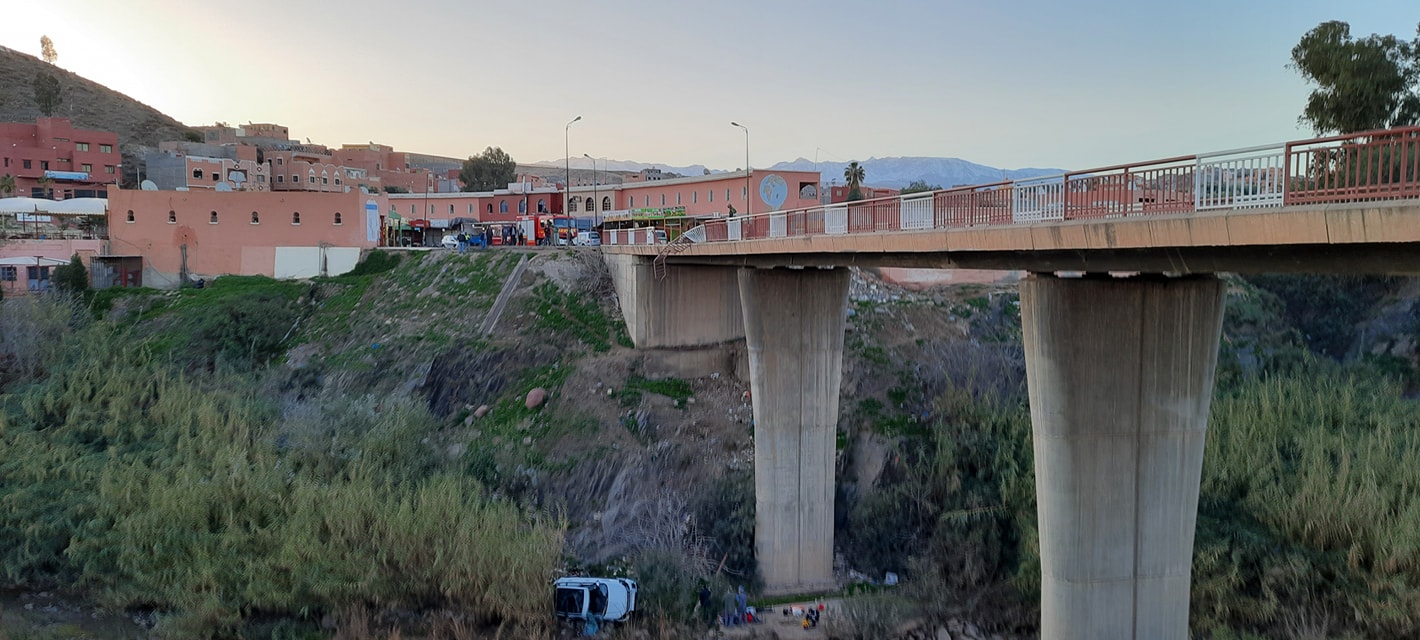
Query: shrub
[[72, 278]]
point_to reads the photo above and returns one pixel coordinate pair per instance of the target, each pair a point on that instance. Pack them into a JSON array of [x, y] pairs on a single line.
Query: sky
[[1007, 83]]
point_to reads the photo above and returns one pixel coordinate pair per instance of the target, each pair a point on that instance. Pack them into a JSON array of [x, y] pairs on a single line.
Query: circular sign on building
[[773, 190]]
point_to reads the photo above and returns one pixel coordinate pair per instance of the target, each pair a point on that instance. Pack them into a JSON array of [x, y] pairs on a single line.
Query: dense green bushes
[[192, 494]]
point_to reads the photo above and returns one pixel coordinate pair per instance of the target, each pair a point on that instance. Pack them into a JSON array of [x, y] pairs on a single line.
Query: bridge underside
[[1388, 259]]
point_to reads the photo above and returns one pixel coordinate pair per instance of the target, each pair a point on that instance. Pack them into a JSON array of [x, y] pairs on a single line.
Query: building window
[[451, 209], [694, 197], [281, 179], [44, 165], [590, 205], [727, 195], [502, 206], [572, 205], [709, 195], [278, 162], [216, 176], [130, 215], [81, 146], [106, 148], [86, 168], [197, 173], [470, 208], [411, 210], [606, 203], [337, 218], [295, 179], [337, 182], [541, 205], [9, 274], [677, 197], [26, 163], [744, 193], [630, 201], [311, 179], [255, 218], [213, 219], [172, 217], [522, 206], [108, 168], [431, 211], [325, 179], [296, 217], [490, 207]]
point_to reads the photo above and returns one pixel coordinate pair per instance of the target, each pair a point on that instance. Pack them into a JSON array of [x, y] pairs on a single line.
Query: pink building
[[700, 196], [27, 266], [204, 234], [79, 163], [392, 168], [502, 205]]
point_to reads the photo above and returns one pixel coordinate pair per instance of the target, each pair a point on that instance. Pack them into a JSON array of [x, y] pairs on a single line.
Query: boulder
[[536, 397]]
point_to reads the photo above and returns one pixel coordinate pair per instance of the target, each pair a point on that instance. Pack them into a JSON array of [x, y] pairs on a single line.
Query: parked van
[[587, 239]]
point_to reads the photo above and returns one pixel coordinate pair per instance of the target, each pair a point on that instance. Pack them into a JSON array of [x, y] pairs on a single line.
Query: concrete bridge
[[1121, 315]]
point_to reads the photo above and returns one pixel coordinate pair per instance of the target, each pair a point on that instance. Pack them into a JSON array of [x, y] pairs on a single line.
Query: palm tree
[[44, 184], [7, 185], [853, 174]]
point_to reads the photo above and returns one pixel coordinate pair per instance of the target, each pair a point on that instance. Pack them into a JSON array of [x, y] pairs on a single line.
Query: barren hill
[[88, 104]]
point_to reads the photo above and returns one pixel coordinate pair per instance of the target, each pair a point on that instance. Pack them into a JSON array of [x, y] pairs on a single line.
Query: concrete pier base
[[1121, 374], [694, 306], [794, 321]]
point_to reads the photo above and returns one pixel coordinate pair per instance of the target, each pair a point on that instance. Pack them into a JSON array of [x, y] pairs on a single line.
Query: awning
[[32, 261], [72, 206]]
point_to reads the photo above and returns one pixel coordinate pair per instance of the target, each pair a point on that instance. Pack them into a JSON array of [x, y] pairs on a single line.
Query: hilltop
[[87, 104]]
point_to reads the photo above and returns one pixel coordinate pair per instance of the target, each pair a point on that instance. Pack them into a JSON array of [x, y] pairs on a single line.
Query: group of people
[[735, 609]]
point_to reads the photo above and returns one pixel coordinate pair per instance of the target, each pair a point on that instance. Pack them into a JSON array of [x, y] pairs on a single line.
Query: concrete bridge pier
[[1120, 373], [794, 321]]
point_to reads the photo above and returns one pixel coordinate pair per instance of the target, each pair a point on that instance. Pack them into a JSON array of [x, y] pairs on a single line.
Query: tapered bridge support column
[[794, 321], [1120, 373]]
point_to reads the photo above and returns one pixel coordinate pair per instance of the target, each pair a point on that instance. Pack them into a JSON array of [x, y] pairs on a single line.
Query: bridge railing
[[1373, 165], [1359, 167], [1240, 179]]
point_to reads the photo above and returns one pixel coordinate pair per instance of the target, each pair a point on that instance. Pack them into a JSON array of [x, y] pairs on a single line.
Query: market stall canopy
[[70, 207], [32, 261]]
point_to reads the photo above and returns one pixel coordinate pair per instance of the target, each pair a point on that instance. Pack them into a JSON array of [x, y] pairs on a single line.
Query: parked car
[[450, 242], [660, 236], [588, 239], [588, 603]]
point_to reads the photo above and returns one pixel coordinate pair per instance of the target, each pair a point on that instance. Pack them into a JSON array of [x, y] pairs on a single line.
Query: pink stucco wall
[[54, 249], [164, 224], [706, 195]]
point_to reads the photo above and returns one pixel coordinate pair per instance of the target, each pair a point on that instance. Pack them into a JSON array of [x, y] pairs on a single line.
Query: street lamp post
[[567, 155], [749, 195], [596, 199]]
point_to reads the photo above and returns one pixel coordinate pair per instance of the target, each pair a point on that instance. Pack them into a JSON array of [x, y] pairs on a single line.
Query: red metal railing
[[1358, 167]]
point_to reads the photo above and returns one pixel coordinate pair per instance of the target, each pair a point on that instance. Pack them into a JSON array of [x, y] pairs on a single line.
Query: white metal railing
[[1038, 199], [733, 229], [835, 219], [1240, 179], [778, 227], [916, 211]]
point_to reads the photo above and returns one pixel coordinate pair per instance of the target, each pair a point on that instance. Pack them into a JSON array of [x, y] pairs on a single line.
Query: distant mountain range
[[881, 172]]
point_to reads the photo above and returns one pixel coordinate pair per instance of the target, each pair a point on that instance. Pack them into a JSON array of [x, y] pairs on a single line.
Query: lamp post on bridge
[[749, 197], [596, 199], [567, 157]]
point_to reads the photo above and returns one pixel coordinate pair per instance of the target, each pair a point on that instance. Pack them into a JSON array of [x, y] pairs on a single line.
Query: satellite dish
[[223, 187], [148, 185]]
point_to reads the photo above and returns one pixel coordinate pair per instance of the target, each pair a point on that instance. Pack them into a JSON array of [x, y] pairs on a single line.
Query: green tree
[[390, 188], [492, 169], [918, 186], [854, 174], [45, 183], [7, 185], [72, 277], [48, 93], [1362, 83]]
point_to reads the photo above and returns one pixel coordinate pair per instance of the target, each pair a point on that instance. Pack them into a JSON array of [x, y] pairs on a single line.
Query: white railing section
[[1240, 179], [835, 219], [777, 225], [1038, 199], [917, 211], [733, 227]]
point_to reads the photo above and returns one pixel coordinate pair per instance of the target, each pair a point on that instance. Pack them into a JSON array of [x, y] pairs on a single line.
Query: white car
[[450, 242], [587, 239], [589, 602]]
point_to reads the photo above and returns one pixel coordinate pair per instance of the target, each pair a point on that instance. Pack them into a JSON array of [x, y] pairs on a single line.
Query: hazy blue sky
[[1006, 83]]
